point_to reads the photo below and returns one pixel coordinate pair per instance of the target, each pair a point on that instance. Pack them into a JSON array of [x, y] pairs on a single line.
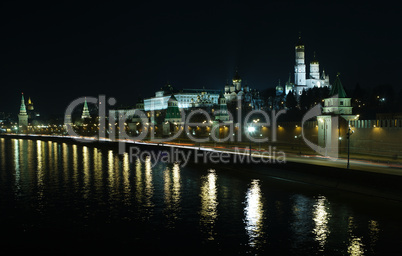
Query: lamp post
[[250, 130], [350, 132]]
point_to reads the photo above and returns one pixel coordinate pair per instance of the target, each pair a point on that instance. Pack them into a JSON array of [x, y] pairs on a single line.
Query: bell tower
[[300, 66]]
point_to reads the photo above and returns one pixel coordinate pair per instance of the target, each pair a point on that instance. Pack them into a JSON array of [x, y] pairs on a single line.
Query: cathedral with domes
[[302, 79]]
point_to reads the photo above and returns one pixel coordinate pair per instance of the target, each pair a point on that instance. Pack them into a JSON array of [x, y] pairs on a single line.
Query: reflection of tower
[[22, 116], [85, 111]]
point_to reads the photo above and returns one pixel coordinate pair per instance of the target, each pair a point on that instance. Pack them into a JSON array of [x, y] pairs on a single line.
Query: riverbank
[[319, 172]]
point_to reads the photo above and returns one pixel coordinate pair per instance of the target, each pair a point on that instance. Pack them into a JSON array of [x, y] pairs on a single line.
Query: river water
[[68, 198]]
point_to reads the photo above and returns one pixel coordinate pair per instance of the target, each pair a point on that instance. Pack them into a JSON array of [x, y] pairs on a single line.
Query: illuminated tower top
[[237, 81], [85, 111], [300, 67], [30, 104], [23, 109], [299, 51]]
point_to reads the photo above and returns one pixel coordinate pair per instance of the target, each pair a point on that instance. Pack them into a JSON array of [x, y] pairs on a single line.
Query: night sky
[[57, 52]]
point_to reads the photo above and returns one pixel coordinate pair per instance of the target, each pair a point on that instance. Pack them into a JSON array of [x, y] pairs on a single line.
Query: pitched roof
[[172, 98], [337, 88]]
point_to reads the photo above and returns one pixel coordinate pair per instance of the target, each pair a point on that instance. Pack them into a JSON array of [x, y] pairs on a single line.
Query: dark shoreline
[[361, 182]]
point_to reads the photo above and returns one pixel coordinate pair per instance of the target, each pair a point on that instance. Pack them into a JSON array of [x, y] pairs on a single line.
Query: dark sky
[[58, 52]]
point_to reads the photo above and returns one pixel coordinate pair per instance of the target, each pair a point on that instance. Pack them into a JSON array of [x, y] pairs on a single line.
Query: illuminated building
[[23, 116], [338, 104], [314, 79], [186, 98], [85, 111], [245, 94]]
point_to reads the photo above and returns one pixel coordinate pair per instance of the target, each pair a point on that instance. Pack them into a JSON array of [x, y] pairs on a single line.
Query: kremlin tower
[[22, 116], [85, 111]]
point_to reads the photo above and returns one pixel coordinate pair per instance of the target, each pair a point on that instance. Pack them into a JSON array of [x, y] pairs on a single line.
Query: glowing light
[[251, 129], [321, 217], [254, 212], [209, 203]]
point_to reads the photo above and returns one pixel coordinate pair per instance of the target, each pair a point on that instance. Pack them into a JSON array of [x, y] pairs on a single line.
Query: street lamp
[[350, 132], [250, 130]]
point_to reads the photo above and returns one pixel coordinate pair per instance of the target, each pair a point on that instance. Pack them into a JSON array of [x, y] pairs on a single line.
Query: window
[[341, 103]]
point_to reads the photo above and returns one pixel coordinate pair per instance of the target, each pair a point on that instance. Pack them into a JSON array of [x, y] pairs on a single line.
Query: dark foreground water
[[58, 197]]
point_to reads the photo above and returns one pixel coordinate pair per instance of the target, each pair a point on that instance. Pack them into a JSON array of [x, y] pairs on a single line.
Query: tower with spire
[[222, 114], [85, 111], [314, 79], [237, 81], [30, 105], [22, 116], [330, 127], [314, 68], [300, 66]]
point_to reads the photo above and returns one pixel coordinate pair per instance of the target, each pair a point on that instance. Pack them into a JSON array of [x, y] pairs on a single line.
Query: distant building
[[222, 114], [314, 79], [85, 111], [186, 98], [236, 91], [173, 112], [338, 104]]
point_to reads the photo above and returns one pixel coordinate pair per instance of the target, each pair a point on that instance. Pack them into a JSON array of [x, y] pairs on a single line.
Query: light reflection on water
[[254, 213], [101, 184], [321, 218], [209, 204], [17, 164], [172, 185], [355, 246]]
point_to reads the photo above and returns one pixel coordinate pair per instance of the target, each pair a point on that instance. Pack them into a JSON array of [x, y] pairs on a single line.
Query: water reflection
[[40, 173], [111, 174], [138, 181], [126, 179], [75, 166], [172, 194], [65, 161], [29, 156], [254, 212], [3, 154], [355, 246], [321, 217], [95, 189], [209, 204], [98, 169], [85, 162], [39, 160], [17, 164], [374, 233], [55, 157], [148, 183]]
